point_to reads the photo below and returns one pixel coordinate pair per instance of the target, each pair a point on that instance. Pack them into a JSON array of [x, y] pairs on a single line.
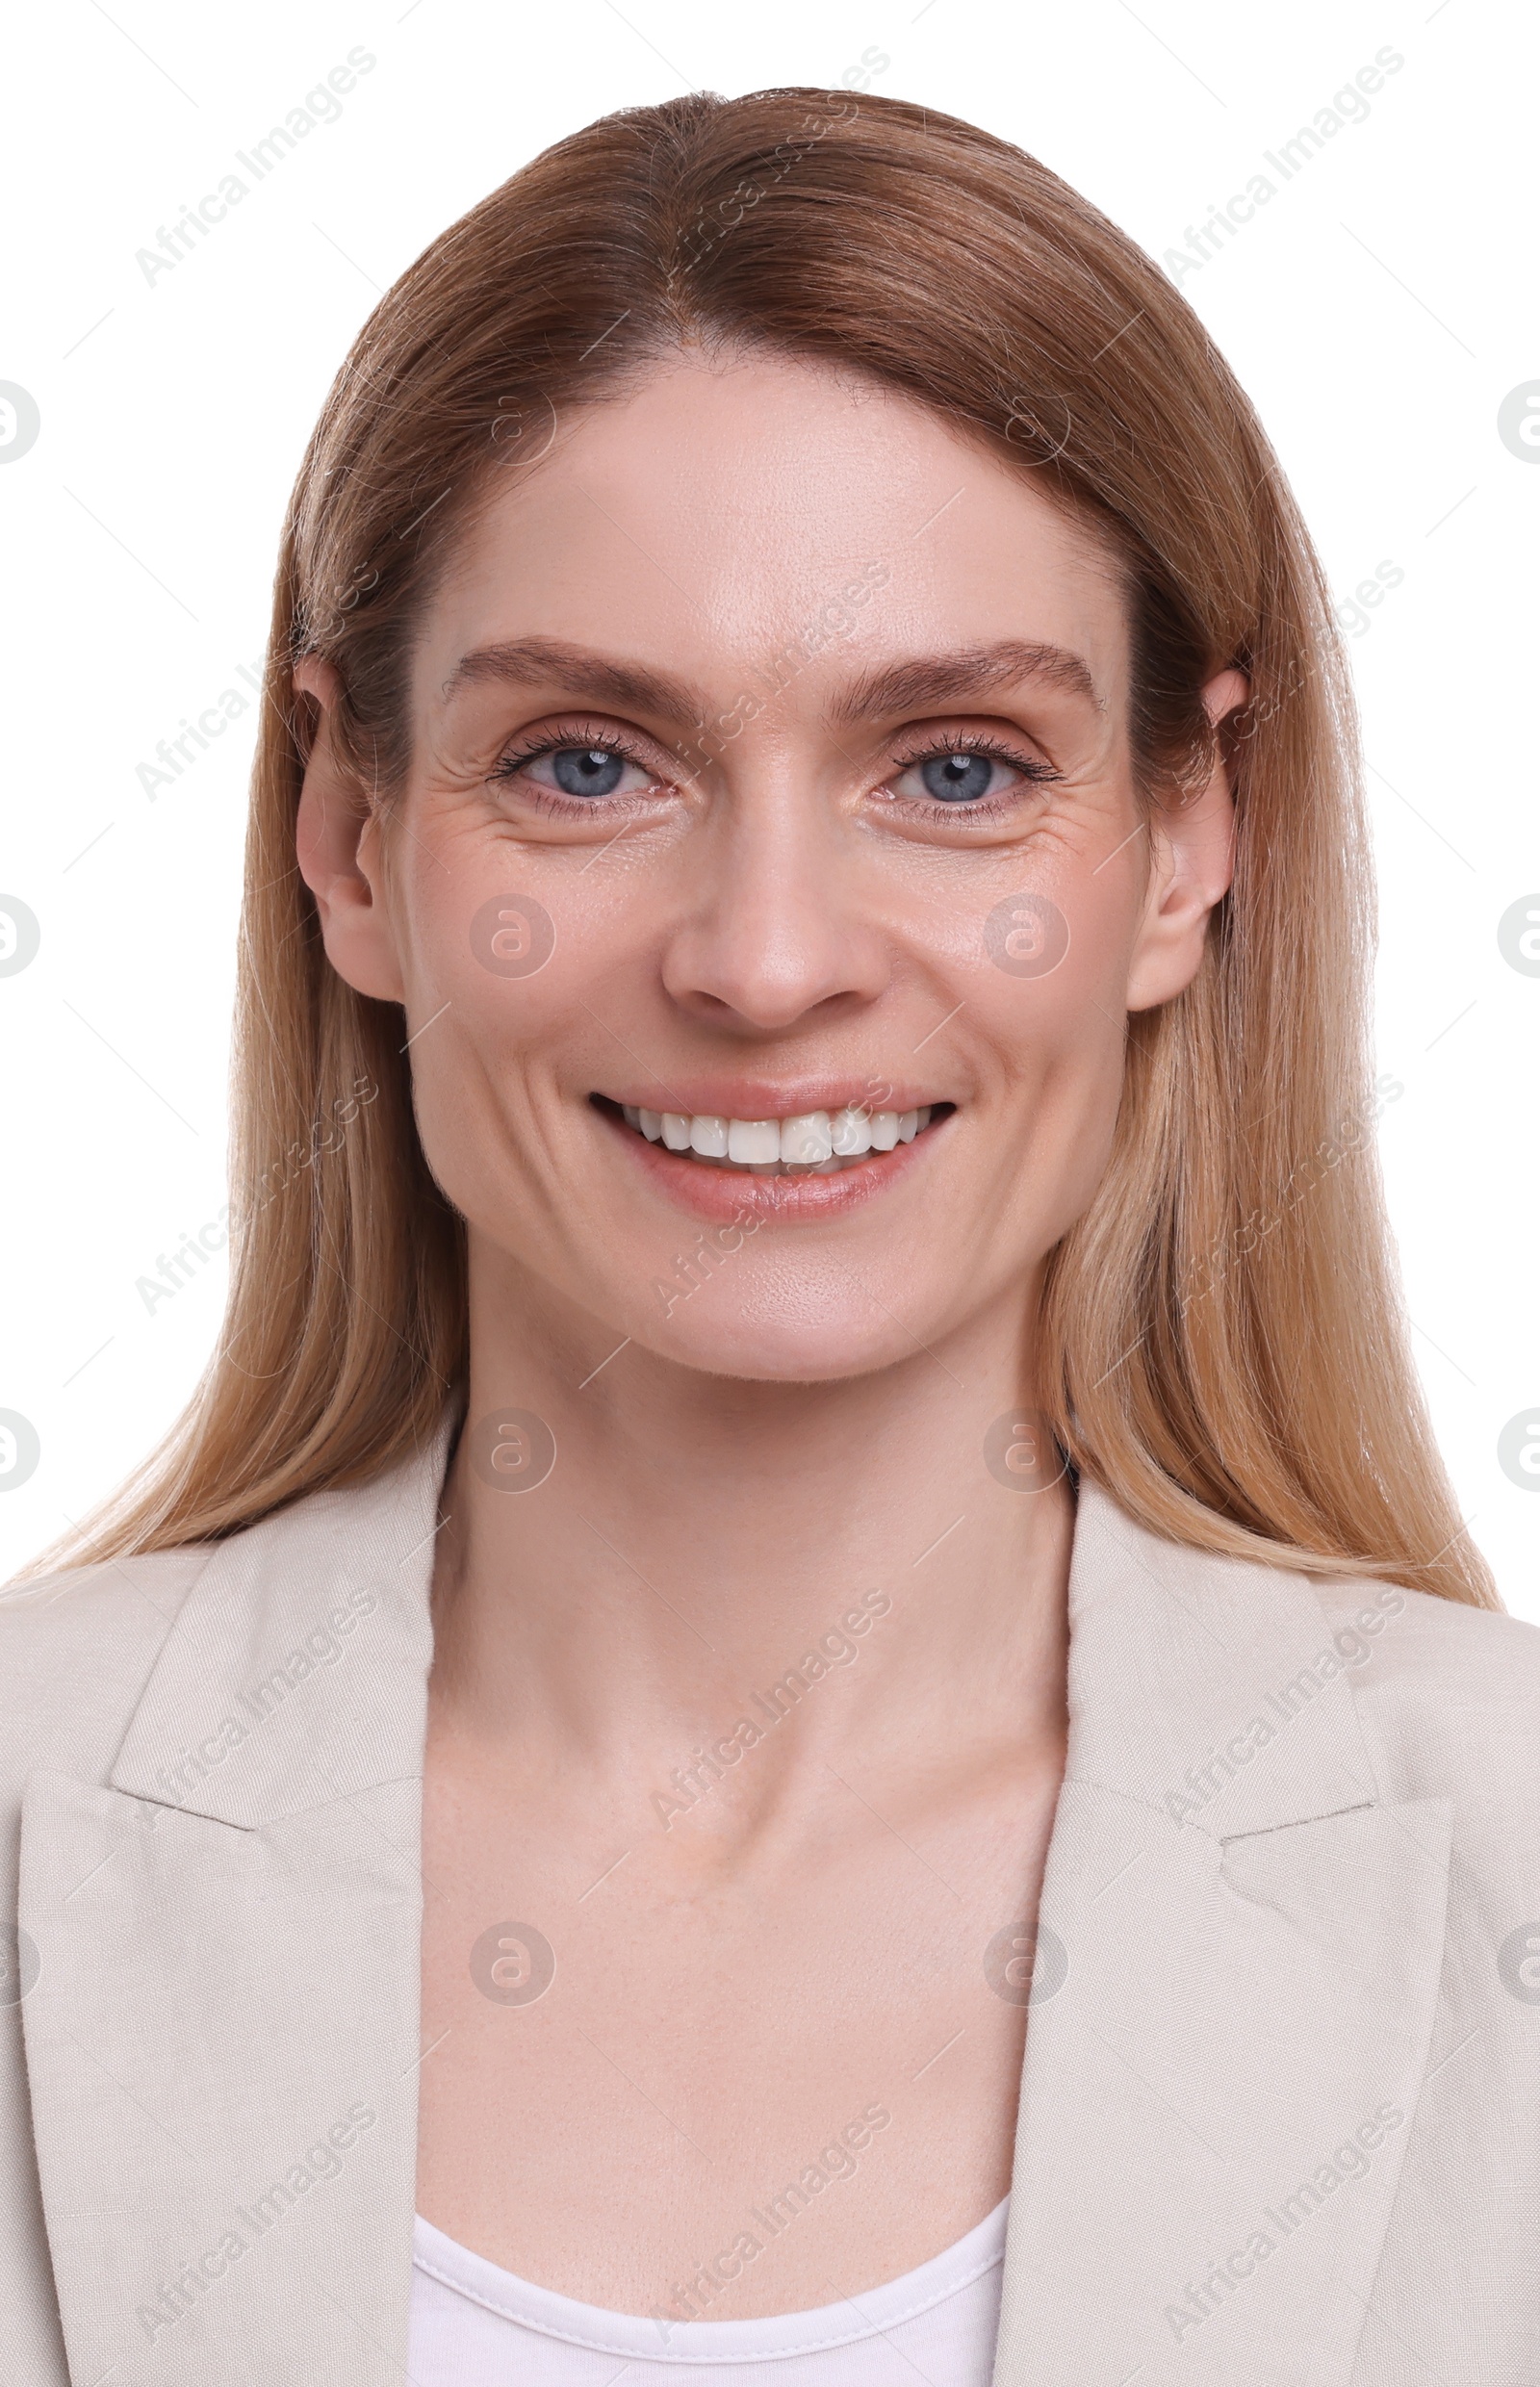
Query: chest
[[629, 2063]]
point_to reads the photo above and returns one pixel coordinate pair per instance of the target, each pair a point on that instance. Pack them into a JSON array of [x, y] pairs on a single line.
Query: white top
[[475, 2325]]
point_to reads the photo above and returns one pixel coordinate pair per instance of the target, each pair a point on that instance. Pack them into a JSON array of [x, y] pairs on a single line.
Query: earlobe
[[336, 846], [1195, 860]]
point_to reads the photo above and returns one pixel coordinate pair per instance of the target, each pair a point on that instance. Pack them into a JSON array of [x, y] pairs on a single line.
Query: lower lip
[[724, 1195]]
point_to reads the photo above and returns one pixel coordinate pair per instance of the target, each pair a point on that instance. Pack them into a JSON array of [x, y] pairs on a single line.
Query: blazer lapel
[[223, 2039], [1238, 1957]]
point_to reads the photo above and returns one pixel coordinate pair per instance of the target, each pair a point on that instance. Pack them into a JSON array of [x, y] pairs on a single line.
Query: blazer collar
[[1208, 1687], [294, 1673]]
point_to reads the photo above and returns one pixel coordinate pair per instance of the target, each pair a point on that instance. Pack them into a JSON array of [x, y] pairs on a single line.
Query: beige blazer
[[1279, 2117]]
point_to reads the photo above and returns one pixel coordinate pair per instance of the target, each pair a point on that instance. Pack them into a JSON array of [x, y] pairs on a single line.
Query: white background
[[1375, 309]]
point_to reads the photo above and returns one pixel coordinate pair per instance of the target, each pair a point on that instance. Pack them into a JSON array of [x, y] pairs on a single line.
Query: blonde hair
[[1222, 1345]]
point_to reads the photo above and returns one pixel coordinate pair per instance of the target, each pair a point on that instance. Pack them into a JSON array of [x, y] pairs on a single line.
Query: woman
[[809, 1608]]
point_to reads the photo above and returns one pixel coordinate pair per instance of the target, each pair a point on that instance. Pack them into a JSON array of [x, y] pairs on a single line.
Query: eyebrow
[[533, 662], [939, 683], [917, 683]]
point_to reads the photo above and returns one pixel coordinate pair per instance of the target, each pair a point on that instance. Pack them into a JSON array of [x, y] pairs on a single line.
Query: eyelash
[[1034, 773]]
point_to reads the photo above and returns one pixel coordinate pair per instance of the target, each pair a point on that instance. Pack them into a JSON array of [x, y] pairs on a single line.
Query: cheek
[[1051, 1005], [500, 981]]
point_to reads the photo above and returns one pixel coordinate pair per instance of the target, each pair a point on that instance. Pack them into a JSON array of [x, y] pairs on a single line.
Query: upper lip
[[758, 1098]]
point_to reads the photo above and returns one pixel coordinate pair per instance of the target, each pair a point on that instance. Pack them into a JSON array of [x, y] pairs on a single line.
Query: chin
[[788, 1336]]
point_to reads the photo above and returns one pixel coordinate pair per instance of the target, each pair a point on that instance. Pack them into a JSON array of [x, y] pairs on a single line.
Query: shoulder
[[76, 1651], [1448, 1696]]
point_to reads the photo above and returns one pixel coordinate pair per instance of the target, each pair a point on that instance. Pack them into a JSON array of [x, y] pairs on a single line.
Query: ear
[[338, 843], [1192, 862]]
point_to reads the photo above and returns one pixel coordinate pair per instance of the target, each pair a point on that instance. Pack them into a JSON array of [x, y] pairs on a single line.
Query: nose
[[775, 931]]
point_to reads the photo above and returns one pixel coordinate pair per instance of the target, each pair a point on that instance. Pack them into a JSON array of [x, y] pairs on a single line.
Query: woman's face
[[770, 764]]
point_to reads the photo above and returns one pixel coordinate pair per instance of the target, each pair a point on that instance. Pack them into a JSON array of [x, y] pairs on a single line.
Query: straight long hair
[[1222, 1344]]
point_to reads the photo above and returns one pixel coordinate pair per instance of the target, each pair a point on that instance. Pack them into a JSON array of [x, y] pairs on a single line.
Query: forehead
[[711, 516]]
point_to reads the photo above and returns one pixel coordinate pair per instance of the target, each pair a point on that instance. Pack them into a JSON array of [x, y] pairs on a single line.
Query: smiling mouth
[[815, 1143]]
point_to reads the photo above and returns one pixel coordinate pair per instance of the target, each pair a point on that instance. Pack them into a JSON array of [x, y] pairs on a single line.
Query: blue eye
[[586, 770], [573, 767], [968, 773], [957, 779], [975, 772]]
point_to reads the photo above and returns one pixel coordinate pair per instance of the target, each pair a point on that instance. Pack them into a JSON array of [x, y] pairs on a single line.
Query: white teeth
[[850, 1133], [754, 1140], [822, 1140], [806, 1141]]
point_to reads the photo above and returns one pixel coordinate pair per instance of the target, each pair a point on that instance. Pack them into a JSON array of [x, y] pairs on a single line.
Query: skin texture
[[768, 914]]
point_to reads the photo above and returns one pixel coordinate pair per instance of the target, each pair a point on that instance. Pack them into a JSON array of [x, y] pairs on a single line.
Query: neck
[[708, 1551]]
